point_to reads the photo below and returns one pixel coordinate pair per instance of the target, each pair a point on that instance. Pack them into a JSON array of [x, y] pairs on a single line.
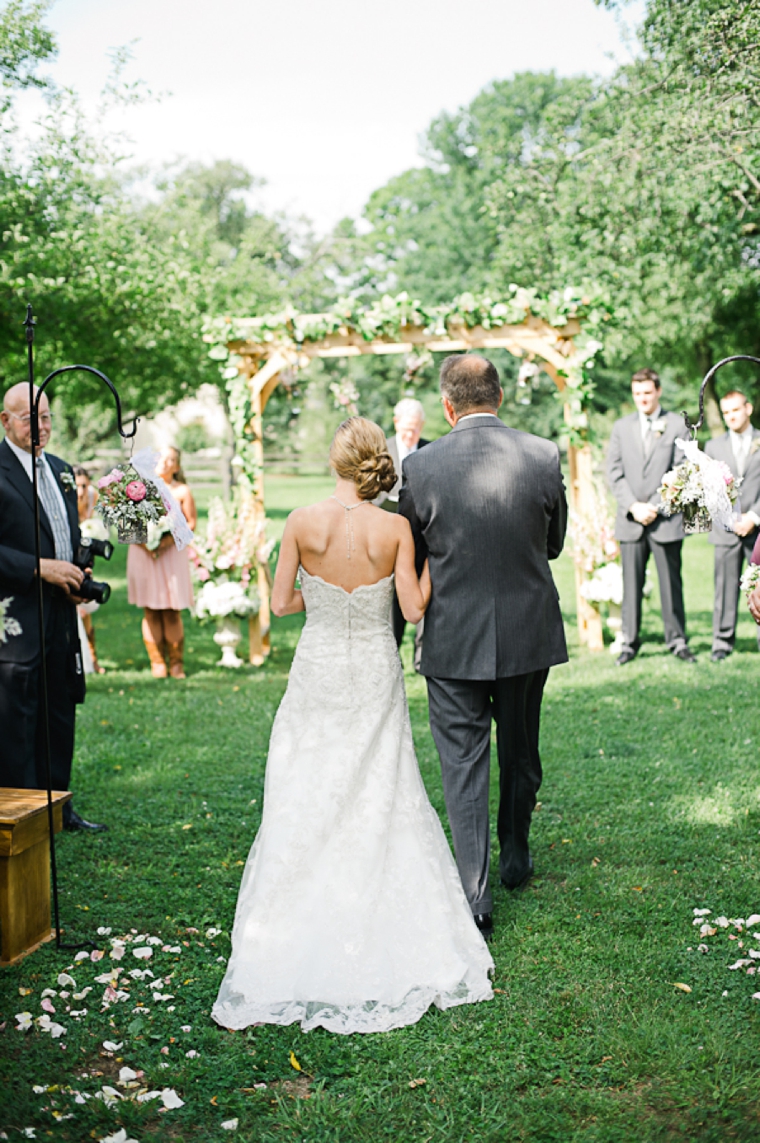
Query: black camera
[[91, 589]]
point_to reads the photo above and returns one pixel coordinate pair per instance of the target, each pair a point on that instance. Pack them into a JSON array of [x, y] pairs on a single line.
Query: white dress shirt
[[403, 451], [646, 422]]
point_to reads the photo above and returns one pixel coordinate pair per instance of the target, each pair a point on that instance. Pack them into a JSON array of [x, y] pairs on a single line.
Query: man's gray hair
[[470, 382], [409, 407]]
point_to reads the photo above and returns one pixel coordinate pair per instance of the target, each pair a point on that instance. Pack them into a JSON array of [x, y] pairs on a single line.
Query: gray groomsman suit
[[389, 501], [635, 471], [487, 505], [731, 551]]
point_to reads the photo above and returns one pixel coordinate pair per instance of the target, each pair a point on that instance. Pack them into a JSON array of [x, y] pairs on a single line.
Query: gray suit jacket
[[633, 478], [487, 505], [749, 491]]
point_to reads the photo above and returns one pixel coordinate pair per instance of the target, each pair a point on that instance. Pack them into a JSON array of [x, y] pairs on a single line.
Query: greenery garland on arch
[[389, 319]]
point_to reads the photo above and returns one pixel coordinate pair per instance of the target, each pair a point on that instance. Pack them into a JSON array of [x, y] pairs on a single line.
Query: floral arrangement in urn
[[702, 488], [221, 600], [129, 503], [230, 554]]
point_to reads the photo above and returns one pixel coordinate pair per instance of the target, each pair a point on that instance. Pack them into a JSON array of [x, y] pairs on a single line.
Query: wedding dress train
[[351, 914]]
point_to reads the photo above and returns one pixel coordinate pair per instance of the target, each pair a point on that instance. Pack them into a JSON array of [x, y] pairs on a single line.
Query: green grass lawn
[[650, 809]]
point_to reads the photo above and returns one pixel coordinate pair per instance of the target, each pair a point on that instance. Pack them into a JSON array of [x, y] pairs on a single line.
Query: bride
[[351, 914]]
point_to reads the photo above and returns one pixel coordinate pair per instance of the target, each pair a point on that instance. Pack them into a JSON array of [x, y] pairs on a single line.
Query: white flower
[[229, 1125], [82, 956], [147, 1096], [103, 931], [144, 953], [211, 933], [126, 1075], [119, 1136], [110, 1046], [81, 995], [170, 1099], [192, 1054], [753, 920], [66, 981], [701, 913], [25, 1021]]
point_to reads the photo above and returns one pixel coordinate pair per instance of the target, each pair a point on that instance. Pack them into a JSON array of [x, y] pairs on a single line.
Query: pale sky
[[325, 99]]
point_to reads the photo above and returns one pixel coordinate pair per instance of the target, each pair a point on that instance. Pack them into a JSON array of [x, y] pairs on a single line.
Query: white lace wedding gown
[[351, 914]]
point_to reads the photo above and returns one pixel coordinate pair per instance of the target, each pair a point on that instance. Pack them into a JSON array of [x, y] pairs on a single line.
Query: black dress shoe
[[625, 657], [522, 878], [686, 655], [719, 656], [72, 821], [484, 922]]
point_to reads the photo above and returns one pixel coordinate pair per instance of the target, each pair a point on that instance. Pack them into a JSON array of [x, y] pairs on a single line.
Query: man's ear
[[501, 397], [448, 412]]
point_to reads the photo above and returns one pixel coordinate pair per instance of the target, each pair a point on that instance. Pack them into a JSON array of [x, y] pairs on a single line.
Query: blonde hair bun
[[359, 452]]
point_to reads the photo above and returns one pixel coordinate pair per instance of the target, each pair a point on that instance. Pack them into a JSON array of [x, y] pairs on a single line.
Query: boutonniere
[[755, 446], [659, 426], [68, 481]]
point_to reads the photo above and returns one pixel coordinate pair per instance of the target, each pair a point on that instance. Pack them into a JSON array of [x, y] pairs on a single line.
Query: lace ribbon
[[716, 499]]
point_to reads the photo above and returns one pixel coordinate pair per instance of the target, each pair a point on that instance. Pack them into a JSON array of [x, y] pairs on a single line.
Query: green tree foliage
[[24, 43]]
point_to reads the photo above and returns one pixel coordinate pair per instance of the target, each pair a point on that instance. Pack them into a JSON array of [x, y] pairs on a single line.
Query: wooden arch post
[[262, 362]]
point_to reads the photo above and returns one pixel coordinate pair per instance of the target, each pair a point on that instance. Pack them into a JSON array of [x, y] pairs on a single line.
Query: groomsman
[[739, 448], [408, 421], [642, 449]]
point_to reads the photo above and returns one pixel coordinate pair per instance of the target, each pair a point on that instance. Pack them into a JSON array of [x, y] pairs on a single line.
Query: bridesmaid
[[159, 581]]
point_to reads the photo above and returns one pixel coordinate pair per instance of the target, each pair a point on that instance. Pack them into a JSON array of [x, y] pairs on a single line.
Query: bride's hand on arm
[[413, 593], [285, 599]]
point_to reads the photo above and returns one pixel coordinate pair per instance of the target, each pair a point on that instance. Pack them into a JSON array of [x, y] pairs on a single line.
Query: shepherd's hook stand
[[34, 411], [692, 427]]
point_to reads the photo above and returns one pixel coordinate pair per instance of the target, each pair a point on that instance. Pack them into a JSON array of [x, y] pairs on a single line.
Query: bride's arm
[[285, 599], [413, 593]]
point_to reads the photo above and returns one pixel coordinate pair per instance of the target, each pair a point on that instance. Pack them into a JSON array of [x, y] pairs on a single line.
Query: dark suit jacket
[[749, 490], [632, 478], [487, 505], [389, 500], [17, 556]]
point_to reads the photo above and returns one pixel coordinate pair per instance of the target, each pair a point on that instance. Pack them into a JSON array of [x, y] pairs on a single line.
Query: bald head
[[470, 383], [16, 419]]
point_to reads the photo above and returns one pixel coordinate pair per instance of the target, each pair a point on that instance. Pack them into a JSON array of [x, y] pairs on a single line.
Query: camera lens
[[94, 591]]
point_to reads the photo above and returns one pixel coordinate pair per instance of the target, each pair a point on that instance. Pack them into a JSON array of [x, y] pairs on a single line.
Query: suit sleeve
[[555, 539], [621, 489], [406, 507], [16, 568]]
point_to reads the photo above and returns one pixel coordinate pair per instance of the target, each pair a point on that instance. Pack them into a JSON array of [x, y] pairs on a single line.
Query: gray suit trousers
[[634, 556], [729, 560], [460, 720]]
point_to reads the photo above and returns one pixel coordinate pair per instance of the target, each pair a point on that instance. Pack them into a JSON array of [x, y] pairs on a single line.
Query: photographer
[[22, 744]]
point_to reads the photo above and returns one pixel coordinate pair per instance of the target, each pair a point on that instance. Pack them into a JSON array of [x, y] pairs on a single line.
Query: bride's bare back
[[349, 542]]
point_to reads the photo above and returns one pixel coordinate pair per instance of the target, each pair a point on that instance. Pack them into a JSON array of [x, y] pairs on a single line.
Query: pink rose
[[203, 574], [136, 491]]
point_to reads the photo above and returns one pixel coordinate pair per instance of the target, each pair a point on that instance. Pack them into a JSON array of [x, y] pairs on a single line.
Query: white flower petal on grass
[[170, 1099], [82, 956], [103, 931], [119, 1136], [191, 1055], [171, 949], [186, 1028], [81, 995], [38, 1089], [143, 953], [28, 1133], [127, 1074], [111, 1046], [753, 920], [229, 1125], [702, 912], [25, 1021], [48, 992], [211, 933], [66, 981], [146, 1096], [117, 952], [739, 964]]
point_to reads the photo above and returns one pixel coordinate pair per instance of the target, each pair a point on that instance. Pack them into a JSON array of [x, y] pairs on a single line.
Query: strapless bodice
[[347, 614]]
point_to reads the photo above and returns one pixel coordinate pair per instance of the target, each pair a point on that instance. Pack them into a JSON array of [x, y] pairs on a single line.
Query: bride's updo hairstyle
[[359, 452]]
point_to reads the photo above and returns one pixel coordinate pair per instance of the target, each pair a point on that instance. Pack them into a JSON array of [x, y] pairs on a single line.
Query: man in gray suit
[[487, 506], [739, 448], [642, 449]]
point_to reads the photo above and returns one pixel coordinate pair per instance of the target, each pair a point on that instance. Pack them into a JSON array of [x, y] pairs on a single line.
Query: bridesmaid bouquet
[[703, 489], [751, 579]]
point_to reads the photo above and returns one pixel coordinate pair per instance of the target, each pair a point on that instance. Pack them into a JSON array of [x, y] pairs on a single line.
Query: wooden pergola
[[261, 357]]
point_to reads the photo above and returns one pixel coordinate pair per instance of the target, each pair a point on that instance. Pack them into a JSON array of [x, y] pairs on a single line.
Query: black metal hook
[[693, 428]]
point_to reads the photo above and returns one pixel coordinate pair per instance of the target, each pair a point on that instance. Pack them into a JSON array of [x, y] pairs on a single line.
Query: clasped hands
[[744, 525], [643, 513]]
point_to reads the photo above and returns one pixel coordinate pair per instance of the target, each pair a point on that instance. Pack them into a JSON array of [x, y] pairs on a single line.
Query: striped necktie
[[648, 439], [52, 505]]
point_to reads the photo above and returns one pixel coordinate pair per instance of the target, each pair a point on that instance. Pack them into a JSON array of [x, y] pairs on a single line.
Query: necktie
[[648, 439], [51, 503]]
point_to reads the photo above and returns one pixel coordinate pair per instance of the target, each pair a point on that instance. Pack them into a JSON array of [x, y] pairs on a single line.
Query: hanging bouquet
[[133, 496], [703, 489], [8, 625], [217, 600], [751, 579]]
